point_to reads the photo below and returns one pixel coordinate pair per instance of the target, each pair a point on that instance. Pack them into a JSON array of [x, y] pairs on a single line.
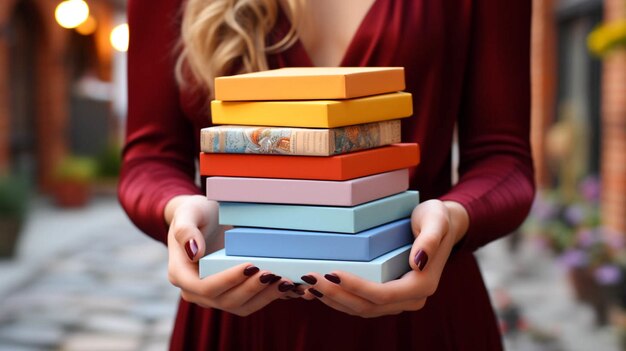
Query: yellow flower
[[607, 37]]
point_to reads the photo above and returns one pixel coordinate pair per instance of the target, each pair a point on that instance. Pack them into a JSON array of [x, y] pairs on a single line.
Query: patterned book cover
[[299, 141]]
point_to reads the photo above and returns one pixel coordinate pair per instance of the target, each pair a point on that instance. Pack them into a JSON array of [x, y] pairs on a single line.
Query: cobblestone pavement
[[88, 280], [97, 284], [539, 287]]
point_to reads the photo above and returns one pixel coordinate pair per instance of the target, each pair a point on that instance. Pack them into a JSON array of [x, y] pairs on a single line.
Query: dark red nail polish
[[191, 248], [316, 293], [421, 258], [299, 292], [266, 277], [250, 271], [309, 279], [285, 286], [332, 278], [275, 279]]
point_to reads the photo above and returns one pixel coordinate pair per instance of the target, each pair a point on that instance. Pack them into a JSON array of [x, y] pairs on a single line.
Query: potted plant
[[73, 177], [109, 163], [13, 205]]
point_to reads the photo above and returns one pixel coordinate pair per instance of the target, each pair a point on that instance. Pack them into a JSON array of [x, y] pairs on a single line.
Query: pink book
[[308, 192]]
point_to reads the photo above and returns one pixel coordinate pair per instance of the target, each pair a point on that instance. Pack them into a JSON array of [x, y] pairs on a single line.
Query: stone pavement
[[88, 280], [539, 287], [85, 280]]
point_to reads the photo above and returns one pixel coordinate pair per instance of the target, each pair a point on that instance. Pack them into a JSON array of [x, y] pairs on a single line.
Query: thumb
[[429, 229], [190, 222], [189, 238]]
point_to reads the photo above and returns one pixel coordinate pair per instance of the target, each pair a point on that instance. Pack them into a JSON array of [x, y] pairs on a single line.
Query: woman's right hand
[[240, 290]]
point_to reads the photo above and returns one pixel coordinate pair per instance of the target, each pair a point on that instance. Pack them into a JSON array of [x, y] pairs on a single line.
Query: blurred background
[[76, 275]]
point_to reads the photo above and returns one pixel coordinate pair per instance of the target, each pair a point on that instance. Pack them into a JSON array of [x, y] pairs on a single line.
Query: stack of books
[[310, 170]]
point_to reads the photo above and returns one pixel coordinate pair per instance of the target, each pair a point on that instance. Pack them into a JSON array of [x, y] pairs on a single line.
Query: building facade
[[579, 103], [43, 113]]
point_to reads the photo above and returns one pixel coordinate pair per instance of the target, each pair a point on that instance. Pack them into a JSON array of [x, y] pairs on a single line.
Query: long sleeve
[[496, 182], [158, 159]]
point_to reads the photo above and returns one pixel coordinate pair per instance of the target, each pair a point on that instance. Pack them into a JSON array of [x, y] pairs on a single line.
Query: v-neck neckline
[[299, 45]]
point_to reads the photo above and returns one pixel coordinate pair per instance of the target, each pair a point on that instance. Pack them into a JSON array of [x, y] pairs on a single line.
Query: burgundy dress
[[467, 63]]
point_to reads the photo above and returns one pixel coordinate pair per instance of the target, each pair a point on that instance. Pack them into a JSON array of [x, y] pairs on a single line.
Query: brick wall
[[543, 77], [5, 112], [52, 95], [613, 163]]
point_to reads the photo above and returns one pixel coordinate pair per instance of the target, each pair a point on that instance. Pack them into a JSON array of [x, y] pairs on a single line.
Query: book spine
[[264, 140], [299, 141], [365, 136]]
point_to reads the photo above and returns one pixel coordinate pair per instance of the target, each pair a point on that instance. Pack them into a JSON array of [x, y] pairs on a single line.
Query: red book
[[340, 167]]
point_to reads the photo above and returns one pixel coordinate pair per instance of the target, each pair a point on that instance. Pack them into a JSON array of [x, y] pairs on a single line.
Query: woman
[[466, 63]]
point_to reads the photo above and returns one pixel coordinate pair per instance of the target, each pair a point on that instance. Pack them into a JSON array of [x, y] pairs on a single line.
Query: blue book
[[320, 218], [382, 269], [363, 246]]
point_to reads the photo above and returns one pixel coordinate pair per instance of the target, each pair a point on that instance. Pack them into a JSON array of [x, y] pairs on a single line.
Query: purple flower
[[574, 214], [590, 189], [543, 209], [607, 274], [574, 258], [587, 238]]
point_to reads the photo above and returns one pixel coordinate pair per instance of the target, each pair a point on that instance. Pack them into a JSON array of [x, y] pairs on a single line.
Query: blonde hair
[[221, 37]]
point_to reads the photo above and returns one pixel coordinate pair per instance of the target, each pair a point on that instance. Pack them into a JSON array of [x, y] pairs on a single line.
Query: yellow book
[[310, 83], [313, 113]]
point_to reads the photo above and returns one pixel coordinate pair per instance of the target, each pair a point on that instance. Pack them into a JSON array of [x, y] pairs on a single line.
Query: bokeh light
[[119, 37], [71, 13]]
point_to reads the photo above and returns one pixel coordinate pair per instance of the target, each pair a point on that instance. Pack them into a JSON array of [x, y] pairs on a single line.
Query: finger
[[330, 303], [429, 231], [215, 284], [364, 308], [189, 238], [199, 300], [293, 295], [430, 252], [301, 290], [409, 287], [336, 297], [324, 289], [240, 294], [262, 299]]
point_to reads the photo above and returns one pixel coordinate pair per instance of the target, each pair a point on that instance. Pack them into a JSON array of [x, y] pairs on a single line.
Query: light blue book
[[363, 246], [382, 269], [319, 218]]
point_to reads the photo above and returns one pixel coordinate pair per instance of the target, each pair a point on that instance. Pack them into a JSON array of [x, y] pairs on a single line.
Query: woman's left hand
[[437, 226]]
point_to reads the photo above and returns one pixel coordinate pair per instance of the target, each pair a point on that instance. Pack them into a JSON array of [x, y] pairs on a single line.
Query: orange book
[[341, 167], [310, 83]]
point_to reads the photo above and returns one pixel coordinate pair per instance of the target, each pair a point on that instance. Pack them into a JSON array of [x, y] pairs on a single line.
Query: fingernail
[[285, 286], [332, 278], [299, 292], [309, 279], [421, 258], [266, 277], [275, 279], [191, 248], [316, 293], [250, 271]]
